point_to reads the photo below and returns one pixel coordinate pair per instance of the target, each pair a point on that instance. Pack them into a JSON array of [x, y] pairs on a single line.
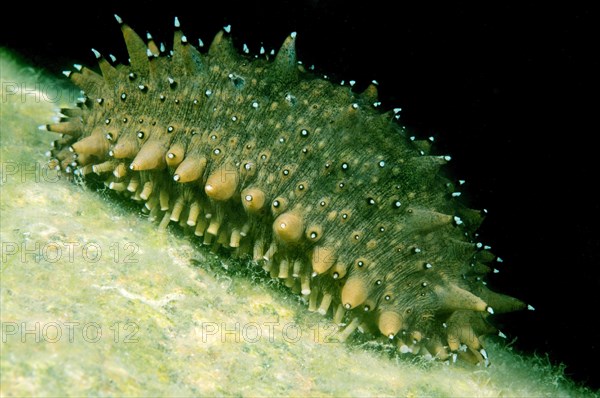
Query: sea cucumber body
[[322, 189]]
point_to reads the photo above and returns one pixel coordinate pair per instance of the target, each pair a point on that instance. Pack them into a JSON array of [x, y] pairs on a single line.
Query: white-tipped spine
[[96, 53]]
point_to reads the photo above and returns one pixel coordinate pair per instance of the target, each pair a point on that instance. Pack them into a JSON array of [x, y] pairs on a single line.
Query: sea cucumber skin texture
[[311, 179]]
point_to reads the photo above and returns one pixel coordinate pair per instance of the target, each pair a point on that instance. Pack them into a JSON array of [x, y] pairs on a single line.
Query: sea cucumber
[[321, 188]]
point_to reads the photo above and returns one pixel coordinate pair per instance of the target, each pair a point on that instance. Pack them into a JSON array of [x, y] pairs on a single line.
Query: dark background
[[508, 90]]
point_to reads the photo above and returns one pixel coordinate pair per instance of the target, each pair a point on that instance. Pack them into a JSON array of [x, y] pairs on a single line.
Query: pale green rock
[[96, 302]]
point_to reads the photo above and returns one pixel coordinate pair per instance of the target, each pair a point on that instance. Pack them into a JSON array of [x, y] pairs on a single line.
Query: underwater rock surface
[[96, 301]]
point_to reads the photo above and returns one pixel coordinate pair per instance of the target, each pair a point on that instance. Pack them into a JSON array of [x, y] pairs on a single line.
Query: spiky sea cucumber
[[321, 188]]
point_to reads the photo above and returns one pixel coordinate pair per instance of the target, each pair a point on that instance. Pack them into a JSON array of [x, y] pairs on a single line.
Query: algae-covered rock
[[96, 301]]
